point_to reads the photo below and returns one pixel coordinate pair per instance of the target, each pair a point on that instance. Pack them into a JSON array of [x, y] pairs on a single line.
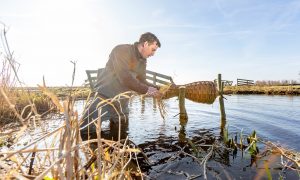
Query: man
[[124, 71]]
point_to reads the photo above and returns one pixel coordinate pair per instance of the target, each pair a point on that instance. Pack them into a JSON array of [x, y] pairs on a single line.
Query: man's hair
[[150, 38]]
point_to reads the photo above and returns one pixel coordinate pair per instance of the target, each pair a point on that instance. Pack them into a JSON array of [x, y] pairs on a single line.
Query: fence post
[[221, 101], [143, 104], [154, 79], [182, 111]]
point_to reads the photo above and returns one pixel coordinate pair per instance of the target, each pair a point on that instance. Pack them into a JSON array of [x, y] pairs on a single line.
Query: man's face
[[149, 49]]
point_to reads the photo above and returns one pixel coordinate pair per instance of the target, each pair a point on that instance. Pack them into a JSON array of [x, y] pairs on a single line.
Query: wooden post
[[221, 101], [154, 79], [182, 135], [154, 103], [182, 111], [143, 104]]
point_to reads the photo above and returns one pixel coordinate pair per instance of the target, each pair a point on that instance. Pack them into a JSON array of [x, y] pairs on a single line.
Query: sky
[[249, 39]]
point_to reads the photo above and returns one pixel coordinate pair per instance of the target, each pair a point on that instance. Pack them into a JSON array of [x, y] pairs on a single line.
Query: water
[[274, 118]]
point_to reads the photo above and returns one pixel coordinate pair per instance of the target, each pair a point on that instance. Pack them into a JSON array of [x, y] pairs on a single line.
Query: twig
[[204, 161], [31, 163]]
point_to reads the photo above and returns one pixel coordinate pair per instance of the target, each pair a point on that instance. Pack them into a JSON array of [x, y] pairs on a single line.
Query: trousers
[[116, 112]]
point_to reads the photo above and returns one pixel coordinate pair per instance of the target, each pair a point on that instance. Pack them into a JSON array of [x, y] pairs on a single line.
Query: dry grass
[[16, 105], [60, 154], [65, 155], [272, 90]]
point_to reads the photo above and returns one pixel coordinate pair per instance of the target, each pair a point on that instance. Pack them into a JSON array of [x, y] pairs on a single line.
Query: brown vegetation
[[276, 83], [64, 155], [17, 105], [263, 89]]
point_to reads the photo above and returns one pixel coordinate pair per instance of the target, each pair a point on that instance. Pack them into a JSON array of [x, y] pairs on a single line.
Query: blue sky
[[252, 39]]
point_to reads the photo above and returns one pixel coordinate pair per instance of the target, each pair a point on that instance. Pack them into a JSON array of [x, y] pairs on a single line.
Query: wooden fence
[[226, 82], [152, 77], [244, 82], [92, 77]]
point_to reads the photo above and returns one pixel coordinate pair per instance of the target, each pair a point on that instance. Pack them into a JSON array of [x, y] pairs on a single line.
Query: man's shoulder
[[123, 46]]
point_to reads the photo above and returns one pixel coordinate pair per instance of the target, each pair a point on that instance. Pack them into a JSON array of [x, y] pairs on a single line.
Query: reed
[[60, 154], [263, 89], [16, 105], [67, 156]]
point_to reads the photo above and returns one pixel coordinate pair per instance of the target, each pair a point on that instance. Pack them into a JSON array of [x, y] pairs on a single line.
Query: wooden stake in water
[[221, 101], [143, 104], [183, 115], [220, 88]]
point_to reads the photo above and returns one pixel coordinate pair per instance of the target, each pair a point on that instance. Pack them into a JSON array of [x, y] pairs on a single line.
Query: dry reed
[[16, 104], [60, 154], [69, 157]]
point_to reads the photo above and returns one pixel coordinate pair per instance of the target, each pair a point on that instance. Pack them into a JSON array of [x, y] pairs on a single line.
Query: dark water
[[275, 118]]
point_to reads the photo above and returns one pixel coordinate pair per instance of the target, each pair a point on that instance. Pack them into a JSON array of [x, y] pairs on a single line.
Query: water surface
[[275, 118]]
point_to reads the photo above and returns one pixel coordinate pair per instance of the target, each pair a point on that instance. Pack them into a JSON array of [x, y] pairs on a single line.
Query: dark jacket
[[124, 71]]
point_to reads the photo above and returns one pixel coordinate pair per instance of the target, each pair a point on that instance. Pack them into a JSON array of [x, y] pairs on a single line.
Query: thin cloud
[[157, 13], [238, 9], [231, 33], [289, 14], [161, 25]]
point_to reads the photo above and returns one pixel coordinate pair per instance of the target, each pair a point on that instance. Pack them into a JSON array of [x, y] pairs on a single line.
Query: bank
[[269, 90]]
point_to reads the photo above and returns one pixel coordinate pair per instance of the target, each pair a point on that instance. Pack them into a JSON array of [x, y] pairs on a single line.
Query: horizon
[[249, 40]]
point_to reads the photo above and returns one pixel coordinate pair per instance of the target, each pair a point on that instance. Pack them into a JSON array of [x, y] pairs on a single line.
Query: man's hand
[[153, 92]]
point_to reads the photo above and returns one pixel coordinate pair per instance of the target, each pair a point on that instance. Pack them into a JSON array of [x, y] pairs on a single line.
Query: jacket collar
[[137, 52]]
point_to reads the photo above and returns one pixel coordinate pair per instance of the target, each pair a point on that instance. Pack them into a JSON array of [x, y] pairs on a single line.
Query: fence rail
[[151, 76], [155, 78], [244, 82], [92, 77], [226, 82]]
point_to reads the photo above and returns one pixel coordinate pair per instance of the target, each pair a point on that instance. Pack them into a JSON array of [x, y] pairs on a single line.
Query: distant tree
[[294, 82], [275, 83]]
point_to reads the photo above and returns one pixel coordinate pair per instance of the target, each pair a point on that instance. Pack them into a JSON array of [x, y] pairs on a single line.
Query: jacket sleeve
[[120, 57]]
